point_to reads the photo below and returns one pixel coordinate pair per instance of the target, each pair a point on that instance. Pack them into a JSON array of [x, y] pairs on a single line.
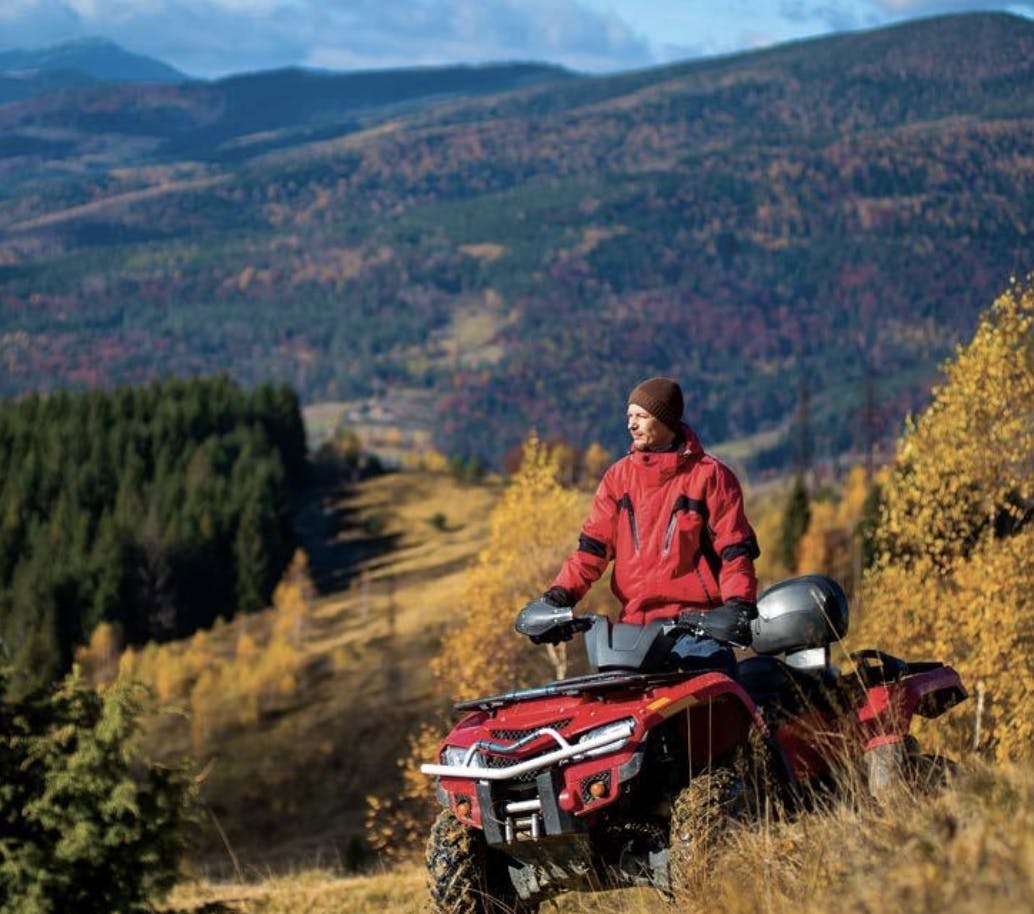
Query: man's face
[[647, 430]]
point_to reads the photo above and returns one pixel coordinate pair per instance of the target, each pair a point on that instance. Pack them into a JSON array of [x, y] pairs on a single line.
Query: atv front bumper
[[547, 795]]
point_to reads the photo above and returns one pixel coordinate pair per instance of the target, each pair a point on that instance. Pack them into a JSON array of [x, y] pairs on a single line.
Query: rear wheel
[[461, 876], [927, 772], [700, 819], [901, 765]]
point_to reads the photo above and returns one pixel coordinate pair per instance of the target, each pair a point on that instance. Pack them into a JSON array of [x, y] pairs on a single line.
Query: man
[[671, 518]]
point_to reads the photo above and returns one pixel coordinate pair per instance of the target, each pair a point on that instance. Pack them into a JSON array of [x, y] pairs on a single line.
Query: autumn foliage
[[953, 578], [532, 527]]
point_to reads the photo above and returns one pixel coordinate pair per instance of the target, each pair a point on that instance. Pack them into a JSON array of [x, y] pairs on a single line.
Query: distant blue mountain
[[85, 61]]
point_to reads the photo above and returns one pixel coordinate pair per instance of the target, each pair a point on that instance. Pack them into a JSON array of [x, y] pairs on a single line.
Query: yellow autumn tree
[[853, 498], [99, 659], [595, 462], [292, 600], [766, 517], [825, 547], [954, 577], [241, 679], [204, 700], [169, 675], [531, 528]]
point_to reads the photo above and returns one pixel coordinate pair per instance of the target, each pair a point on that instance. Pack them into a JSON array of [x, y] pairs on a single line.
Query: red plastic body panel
[[714, 715], [886, 716], [716, 709]]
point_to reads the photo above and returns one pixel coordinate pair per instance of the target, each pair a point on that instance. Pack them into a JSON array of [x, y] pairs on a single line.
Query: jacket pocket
[[683, 505]]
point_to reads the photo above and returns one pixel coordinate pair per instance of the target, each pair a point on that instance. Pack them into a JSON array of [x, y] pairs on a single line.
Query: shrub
[[85, 824]]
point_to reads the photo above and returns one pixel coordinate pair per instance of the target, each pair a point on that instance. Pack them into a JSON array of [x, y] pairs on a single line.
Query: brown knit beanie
[[661, 397]]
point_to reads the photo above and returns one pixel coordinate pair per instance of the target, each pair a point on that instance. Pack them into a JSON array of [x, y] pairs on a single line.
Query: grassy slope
[[290, 789], [968, 850]]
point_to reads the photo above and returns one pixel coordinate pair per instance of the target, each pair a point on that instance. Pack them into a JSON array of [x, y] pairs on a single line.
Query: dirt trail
[[124, 199]]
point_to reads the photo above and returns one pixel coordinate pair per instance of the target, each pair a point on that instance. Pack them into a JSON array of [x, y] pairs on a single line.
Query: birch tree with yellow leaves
[[954, 573], [534, 524], [531, 529]]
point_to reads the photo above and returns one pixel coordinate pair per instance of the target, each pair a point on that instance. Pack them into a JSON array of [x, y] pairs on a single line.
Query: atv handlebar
[[547, 624], [544, 623]]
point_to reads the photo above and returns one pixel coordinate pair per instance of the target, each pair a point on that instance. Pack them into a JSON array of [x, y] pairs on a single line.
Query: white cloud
[[211, 37], [933, 7], [214, 37]]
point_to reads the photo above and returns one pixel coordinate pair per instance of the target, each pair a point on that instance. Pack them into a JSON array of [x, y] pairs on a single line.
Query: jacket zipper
[[672, 521], [632, 526]]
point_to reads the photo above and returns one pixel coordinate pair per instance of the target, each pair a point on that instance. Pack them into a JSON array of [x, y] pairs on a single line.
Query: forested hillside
[[157, 508], [835, 210]]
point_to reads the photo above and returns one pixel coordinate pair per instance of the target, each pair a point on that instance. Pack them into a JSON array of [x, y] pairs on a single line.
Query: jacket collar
[[659, 466]]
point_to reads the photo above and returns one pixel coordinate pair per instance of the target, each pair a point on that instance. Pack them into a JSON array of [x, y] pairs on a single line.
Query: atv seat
[[616, 646]]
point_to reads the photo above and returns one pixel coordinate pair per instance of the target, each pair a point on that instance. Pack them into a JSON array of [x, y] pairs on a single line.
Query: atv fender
[[886, 716], [718, 714]]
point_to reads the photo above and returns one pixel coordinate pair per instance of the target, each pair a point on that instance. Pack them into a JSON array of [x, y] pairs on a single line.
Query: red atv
[[611, 780]]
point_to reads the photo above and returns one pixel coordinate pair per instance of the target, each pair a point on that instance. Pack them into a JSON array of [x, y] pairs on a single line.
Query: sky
[[210, 38]]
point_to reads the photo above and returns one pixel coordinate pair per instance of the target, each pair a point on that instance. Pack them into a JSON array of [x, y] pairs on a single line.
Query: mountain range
[[488, 249], [74, 64]]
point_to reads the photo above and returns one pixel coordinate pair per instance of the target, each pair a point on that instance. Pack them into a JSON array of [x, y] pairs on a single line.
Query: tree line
[[154, 508]]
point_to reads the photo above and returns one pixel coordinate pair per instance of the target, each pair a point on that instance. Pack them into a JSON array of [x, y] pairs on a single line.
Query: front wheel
[[700, 819], [461, 877]]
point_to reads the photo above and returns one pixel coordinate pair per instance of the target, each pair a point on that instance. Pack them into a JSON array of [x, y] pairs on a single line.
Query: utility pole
[[869, 422], [805, 441]]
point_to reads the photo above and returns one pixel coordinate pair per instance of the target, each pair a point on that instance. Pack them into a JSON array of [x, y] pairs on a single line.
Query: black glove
[[728, 623], [558, 596]]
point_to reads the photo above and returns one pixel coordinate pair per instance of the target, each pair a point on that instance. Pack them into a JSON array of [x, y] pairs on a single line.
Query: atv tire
[[897, 766], [700, 819], [462, 878]]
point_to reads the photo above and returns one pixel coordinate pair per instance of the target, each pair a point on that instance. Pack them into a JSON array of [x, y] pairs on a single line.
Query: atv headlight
[[457, 755], [618, 729]]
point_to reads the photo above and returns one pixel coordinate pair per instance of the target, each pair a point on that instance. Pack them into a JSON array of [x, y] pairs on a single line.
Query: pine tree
[[86, 824], [250, 561], [796, 517]]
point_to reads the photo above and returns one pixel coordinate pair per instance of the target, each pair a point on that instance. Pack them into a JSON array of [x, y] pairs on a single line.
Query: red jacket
[[673, 523]]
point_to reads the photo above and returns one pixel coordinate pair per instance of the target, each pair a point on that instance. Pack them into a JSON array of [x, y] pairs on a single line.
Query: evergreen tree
[[130, 506], [796, 517], [86, 825], [250, 562]]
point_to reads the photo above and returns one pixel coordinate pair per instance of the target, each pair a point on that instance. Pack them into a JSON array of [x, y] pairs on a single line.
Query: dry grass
[[290, 789], [969, 850], [314, 892]]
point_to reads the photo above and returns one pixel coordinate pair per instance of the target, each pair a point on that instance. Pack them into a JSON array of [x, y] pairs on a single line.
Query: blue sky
[[214, 37]]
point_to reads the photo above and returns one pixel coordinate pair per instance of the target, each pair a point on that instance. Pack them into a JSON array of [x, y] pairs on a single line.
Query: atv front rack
[[471, 768], [578, 685]]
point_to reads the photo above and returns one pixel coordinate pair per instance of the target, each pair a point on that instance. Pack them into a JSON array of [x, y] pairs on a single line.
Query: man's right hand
[[546, 623], [558, 596]]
